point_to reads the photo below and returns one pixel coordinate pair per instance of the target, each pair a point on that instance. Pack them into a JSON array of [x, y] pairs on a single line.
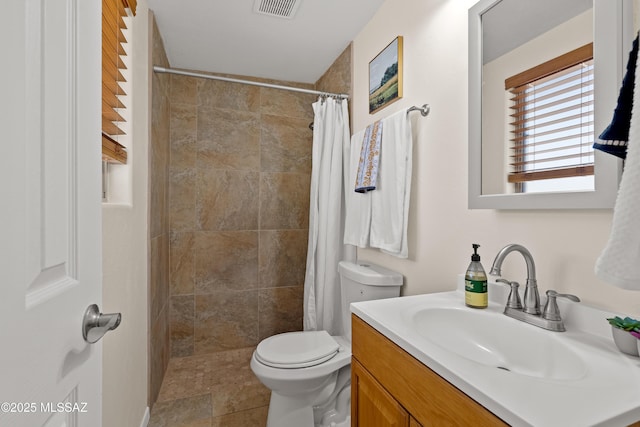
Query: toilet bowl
[[309, 372]]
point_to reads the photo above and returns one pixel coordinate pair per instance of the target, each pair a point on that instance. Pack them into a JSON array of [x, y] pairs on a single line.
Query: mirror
[[509, 39]]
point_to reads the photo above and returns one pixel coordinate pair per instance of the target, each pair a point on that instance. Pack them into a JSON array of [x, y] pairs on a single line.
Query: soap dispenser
[[475, 281]]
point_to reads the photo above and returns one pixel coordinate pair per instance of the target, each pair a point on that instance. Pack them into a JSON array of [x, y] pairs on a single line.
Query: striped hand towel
[[367, 176]]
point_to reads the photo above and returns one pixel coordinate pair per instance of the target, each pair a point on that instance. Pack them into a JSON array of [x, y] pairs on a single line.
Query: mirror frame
[[611, 50]]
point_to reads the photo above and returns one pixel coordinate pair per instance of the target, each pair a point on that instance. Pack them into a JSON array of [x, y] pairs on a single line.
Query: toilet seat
[[293, 350]]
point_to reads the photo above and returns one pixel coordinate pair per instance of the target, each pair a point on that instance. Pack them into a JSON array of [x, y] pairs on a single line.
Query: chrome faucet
[[531, 304], [529, 311]]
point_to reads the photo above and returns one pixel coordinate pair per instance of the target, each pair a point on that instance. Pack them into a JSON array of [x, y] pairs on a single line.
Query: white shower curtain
[[331, 138]]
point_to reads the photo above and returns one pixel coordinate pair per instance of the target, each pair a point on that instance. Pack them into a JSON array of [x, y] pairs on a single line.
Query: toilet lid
[[297, 349]]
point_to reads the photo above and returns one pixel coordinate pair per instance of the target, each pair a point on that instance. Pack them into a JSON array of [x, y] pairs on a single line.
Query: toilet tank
[[364, 281]]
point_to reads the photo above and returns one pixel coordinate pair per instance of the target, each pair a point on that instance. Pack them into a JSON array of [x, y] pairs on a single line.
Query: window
[[113, 24], [552, 130]]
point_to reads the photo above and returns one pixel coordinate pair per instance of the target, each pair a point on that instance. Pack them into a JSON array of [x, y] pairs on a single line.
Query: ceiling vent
[[279, 8]]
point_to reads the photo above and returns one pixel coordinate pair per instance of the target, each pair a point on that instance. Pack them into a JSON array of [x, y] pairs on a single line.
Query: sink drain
[[503, 368]]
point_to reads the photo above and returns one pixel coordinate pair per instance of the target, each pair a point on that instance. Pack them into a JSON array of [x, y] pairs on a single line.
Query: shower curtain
[[331, 138]]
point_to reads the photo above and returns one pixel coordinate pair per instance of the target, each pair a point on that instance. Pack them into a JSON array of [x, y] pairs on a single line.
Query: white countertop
[[607, 394]]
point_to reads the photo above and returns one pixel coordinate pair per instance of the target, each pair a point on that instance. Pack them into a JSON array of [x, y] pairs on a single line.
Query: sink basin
[[491, 339]]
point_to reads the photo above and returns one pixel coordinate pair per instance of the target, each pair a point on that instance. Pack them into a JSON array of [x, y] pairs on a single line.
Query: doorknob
[[96, 324]]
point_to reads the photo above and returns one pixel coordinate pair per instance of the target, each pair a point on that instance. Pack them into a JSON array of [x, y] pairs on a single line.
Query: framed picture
[[385, 76]]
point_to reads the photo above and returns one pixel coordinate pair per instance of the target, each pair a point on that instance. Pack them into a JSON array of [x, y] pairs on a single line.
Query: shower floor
[[211, 390]]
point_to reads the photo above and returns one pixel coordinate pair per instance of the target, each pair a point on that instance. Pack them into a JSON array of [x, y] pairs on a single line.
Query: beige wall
[[125, 242], [565, 244], [239, 198]]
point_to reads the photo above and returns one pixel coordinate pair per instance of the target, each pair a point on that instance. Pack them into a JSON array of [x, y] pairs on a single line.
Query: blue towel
[[367, 176], [615, 137]]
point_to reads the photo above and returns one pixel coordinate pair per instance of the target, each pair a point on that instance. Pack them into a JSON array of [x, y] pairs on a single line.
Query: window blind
[[113, 24], [552, 119]]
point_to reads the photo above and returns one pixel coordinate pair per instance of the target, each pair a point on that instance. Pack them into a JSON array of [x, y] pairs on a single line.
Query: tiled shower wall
[[337, 79], [158, 220], [240, 166]]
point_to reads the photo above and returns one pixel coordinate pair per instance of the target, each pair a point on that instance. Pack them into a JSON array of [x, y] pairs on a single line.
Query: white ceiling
[[227, 36]]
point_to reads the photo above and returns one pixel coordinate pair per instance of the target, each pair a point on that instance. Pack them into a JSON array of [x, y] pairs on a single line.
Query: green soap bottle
[[475, 281]]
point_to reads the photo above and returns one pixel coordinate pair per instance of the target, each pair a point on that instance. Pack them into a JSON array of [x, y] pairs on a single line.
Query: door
[[50, 223], [371, 404]]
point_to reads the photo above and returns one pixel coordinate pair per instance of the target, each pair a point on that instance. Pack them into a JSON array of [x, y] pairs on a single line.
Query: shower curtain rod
[[158, 69]]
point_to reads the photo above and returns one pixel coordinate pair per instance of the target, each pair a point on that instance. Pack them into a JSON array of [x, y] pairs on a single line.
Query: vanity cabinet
[[390, 388], [375, 406]]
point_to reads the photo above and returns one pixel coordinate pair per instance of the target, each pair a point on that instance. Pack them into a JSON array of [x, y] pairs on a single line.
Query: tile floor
[[211, 390]]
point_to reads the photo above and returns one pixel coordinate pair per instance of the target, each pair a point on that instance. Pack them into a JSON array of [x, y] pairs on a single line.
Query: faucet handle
[[551, 310], [514, 296]]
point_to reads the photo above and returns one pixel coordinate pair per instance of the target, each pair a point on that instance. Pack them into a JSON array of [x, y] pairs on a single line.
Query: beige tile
[[283, 257], [232, 367], [226, 200], [186, 377], [284, 201], [280, 310], [157, 203], [158, 353], [154, 282], [158, 169], [337, 79], [158, 51], [228, 139], [226, 260], [181, 412], [163, 274], [184, 90], [231, 96], [182, 263], [159, 89], [198, 423], [226, 320], [250, 418], [286, 145], [235, 397], [160, 108], [182, 323], [233, 375], [158, 275], [289, 104], [224, 373], [183, 136], [182, 195]]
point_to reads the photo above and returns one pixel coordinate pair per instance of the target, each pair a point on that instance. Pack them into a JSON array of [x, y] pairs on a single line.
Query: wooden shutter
[[113, 39], [552, 118]]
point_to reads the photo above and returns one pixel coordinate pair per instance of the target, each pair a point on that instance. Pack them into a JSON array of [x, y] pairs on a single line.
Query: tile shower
[[239, 177], [236, 181]]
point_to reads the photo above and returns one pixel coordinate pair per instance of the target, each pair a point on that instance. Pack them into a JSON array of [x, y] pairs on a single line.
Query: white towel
[[379, 218], [619, 263], [358, 205], [390, 201]]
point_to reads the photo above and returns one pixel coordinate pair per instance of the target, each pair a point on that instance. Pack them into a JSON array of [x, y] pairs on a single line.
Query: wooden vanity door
[[372, 405]]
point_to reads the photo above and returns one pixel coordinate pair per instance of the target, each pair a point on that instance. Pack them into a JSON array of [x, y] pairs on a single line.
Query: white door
[[50, 214]]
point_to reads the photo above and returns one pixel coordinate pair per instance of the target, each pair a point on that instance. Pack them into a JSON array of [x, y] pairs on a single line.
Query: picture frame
[[385, 76]]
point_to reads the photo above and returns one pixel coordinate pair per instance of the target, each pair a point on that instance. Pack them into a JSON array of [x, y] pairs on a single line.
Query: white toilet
[[309, 372]]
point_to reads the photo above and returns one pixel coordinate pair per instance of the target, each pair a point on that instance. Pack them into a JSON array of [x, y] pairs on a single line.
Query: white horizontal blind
[[552, 124]]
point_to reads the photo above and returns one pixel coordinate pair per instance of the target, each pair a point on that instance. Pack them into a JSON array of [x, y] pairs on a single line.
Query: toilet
[[309, 372]]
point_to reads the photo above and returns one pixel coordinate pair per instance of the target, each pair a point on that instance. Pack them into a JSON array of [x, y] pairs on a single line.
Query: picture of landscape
[[385, 76]]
